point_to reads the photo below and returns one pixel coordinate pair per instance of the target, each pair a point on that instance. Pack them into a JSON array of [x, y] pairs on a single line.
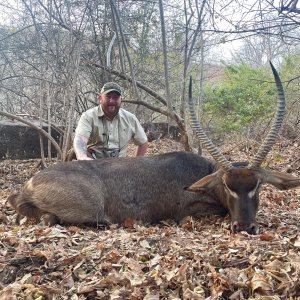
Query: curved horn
[[270, 139], [205, 141]]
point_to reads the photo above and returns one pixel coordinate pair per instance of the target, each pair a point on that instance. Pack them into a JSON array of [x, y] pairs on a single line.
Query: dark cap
[[111, 87]]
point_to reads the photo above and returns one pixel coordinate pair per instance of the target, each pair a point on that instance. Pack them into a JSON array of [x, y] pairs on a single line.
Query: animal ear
[[206, 183], [280, 180]]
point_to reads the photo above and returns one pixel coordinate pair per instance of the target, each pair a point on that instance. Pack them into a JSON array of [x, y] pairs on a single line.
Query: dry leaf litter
[[198, 259]]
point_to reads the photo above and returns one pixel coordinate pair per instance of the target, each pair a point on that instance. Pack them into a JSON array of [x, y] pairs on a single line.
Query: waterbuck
[[150, 189]]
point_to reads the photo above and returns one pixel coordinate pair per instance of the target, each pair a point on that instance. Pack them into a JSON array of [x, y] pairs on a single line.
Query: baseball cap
[[111, 87]]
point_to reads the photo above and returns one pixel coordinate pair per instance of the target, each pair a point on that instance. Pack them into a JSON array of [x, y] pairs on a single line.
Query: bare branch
[[139, 84], [40, 130]]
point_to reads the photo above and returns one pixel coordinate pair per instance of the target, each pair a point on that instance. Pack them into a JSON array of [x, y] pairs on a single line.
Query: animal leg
[[48, 219]]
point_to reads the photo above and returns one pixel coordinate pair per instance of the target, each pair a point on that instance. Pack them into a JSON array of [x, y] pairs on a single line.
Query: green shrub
[[244, 96]]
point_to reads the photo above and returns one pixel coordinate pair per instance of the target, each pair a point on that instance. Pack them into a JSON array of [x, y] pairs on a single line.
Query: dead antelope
[[151, 189]]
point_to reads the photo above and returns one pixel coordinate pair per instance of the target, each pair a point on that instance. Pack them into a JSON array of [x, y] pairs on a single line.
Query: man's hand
[[80, 147], [141, 149]]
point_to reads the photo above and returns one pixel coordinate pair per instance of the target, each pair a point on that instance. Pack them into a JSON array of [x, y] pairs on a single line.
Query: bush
[[245, 96]]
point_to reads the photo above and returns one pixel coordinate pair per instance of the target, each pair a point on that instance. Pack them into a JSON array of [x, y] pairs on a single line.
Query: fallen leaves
[[198, 259], [261, 284], [146, 263]]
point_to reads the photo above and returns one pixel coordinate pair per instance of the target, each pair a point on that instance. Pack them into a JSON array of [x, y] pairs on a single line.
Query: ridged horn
[[204, 139], [270, 139]]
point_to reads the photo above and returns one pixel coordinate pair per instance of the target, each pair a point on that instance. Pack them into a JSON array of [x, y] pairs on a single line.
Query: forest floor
[[199, 259]]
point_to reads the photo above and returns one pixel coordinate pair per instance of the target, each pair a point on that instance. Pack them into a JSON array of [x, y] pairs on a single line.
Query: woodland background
[[54, 58], [56, 55]]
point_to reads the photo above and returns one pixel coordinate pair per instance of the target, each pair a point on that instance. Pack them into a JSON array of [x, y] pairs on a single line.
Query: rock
[[19, 141]]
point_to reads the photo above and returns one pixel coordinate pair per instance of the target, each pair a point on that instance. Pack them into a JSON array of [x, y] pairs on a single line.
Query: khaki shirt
[[110, 134]]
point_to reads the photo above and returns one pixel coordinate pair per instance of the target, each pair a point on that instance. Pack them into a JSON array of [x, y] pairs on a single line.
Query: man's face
[[111, 103]]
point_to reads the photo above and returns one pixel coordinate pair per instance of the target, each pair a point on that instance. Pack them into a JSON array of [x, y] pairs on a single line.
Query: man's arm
[[80, 147], [142, 149]]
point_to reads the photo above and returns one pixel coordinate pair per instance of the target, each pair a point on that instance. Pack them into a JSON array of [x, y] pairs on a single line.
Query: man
[[109, 128]]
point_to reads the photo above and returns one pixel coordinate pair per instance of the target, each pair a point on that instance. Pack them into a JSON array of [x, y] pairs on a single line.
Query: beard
[[111, 110]]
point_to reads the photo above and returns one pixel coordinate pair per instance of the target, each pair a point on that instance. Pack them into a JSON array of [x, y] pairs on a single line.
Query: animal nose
[[251, 228]]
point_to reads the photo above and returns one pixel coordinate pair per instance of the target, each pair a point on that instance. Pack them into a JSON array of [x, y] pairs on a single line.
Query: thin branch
[[165, 55], [125, 77], [125, 48], [56, 127], [40, 130], [152, 107]]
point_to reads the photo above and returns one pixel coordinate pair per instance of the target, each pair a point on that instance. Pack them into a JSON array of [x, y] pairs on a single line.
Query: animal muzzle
[[251, 228]]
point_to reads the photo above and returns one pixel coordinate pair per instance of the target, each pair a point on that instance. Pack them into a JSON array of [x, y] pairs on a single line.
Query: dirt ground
[[199, 259]]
